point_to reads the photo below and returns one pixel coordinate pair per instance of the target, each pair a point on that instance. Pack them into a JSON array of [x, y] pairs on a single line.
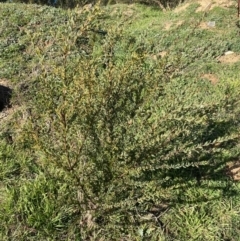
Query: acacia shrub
[[122, 135], [119, 136]]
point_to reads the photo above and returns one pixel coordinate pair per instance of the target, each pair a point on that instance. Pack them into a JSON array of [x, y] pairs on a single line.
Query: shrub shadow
[[5, 97]]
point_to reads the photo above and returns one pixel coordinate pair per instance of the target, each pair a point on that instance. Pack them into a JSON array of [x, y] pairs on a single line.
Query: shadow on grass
[[5, 96]]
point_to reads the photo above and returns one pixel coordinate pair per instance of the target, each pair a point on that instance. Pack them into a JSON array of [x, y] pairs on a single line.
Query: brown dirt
[[182, 7], [169, 25], [205, 5], [233, 170], [4, 82], [211, 77], [204, 25], [160, 54], [229, 59]]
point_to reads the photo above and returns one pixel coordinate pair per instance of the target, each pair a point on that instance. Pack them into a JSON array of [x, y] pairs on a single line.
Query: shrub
[[116, 137], [162, 4]]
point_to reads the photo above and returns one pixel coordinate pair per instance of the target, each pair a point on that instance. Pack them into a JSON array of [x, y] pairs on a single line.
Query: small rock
[[228, 53], [211, 24]]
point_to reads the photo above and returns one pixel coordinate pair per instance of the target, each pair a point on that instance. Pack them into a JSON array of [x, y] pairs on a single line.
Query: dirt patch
[[206, 25], [233, 170], [181, 8], [229, 58], [205, 5], [4, 82], [211, 77], [158, 55], [169, 25]]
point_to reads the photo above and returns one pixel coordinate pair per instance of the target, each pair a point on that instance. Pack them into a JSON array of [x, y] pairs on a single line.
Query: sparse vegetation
[[125, 119]]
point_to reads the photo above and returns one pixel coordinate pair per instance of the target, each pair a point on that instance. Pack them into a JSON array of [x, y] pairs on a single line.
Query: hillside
[[120, 122]]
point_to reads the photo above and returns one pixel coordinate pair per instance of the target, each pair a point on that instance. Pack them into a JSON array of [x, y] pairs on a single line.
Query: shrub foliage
[[112, 138], [162, 4]]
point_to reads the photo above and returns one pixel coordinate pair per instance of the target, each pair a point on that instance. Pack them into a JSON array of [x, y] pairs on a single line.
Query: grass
[[34, 206], [198, 47]]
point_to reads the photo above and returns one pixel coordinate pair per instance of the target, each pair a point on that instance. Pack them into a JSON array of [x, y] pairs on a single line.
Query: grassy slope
[[178, 33], [197, 49]]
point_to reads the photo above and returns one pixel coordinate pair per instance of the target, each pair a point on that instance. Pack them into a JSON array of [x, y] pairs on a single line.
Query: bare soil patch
[[205, 5], [211, 77], [181, 8], [4, 82], [169, 25], [205, 25], [233, 170], [158, 55], [229, 59]]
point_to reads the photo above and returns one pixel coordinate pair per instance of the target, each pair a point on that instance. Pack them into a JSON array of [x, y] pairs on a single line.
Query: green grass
[[193, 198]]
